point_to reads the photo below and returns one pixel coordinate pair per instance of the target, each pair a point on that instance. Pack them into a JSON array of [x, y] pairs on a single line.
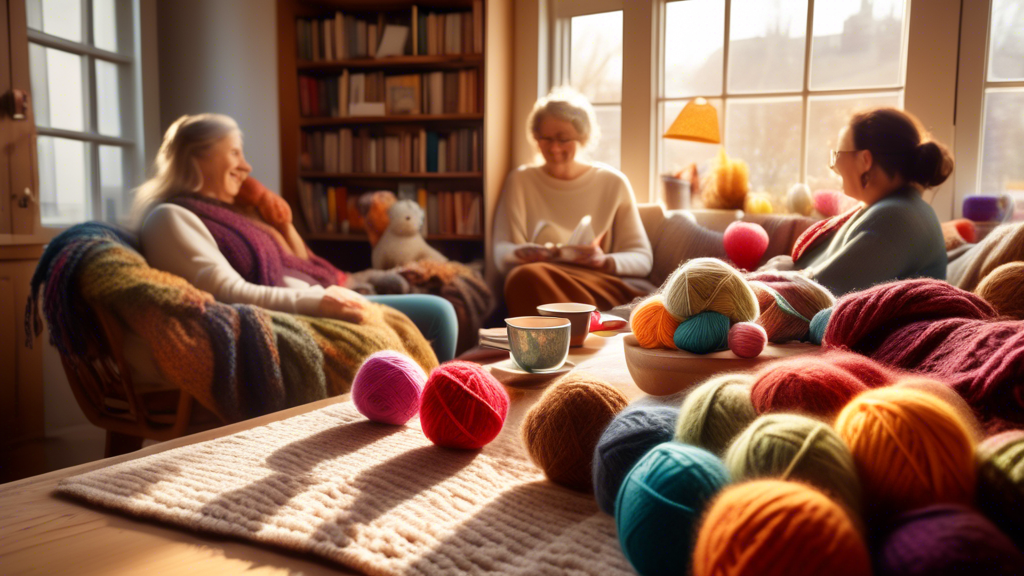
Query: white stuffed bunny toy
[[401, 243]]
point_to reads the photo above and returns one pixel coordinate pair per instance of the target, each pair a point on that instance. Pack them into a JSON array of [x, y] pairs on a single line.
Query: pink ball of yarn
[[387, 387], [463, 406], [745, 243], [747, 339], [832, 202]]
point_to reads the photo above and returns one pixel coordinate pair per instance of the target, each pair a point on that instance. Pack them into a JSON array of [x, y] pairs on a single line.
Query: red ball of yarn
[[745, 243], [747, 340], [463, 406], [873, 374], [804, 385]]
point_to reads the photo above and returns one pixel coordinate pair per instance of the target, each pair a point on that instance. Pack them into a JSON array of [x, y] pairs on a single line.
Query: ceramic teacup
[[577, 314], [538, 343]]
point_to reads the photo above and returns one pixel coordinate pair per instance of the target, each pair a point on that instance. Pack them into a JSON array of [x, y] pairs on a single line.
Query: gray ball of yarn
[[623, 443]]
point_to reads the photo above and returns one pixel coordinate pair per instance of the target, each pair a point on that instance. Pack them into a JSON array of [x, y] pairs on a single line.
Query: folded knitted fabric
[[238, 361], [930, 327], [1002, 245]]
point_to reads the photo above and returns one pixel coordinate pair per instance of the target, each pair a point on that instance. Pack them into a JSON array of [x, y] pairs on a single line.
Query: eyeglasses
[[548, 141], [833, 156]]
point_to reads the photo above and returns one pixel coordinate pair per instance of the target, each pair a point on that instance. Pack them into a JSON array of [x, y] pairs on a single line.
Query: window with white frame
[[785, 75], [82, 65], [1002, 170]]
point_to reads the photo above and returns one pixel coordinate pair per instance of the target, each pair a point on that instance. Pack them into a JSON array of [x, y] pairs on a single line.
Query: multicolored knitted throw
[[239, 361]]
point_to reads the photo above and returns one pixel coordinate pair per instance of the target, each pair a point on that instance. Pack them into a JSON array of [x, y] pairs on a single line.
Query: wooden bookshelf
[[487, 118]]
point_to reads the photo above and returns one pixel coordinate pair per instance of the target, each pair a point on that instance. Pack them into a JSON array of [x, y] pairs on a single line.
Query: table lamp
[[697, 122]]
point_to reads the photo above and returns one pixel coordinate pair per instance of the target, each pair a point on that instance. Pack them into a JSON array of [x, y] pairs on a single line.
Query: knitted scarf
[[818, 231], [239, 361], [251, 250]]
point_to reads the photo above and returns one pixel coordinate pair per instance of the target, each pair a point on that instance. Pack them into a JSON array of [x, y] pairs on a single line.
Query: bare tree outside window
[[595, 69]]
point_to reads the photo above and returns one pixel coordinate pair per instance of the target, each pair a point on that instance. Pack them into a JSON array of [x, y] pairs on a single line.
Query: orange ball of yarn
[[769, 527], [911, 449], [562, 429], [950, 396], [652, 325], [1003, 288]]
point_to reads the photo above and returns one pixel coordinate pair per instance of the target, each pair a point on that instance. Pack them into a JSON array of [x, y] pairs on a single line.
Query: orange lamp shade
[[698, 122]]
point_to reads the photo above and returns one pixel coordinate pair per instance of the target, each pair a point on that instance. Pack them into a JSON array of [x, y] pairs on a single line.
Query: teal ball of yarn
[[703, 333], [818, 325], [660, 505]]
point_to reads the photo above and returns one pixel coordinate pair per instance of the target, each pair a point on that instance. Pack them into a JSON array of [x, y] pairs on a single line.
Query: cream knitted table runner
[[379, 499]]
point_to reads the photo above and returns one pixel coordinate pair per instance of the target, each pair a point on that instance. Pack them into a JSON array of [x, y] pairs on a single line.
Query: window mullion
[[725, 68], [805, 119]]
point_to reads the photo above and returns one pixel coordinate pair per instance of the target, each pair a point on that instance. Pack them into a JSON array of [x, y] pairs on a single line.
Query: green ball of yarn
[[818, 325], [703, 333], [660, 504], [716, 411], [793, 447], [1000, 491]]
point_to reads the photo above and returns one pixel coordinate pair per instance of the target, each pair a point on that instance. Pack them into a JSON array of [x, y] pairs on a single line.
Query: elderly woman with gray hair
[[542, 205], [206, 220]]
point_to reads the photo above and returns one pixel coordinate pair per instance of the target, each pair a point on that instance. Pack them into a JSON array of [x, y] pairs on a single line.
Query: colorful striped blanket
[[239, 361]]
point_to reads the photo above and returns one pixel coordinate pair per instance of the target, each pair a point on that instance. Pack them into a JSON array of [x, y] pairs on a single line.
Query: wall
[[222, 57]]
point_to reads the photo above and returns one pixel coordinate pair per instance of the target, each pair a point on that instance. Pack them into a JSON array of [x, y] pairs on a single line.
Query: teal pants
[[433, 315]]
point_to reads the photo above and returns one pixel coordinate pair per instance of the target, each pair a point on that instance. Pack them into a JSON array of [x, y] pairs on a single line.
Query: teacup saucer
[[511, 374]]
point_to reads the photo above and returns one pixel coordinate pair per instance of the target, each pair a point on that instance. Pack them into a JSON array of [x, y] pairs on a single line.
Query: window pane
[[61, 18], [766, 45], [857, 44], [1001, 168], [63, 181], [112, 182], [608, 148], [104, 25], [1006, 45], [694, 36], [825, 116], [765, 133], [678, 154], [595, 68], [108, 101], [56, 78]]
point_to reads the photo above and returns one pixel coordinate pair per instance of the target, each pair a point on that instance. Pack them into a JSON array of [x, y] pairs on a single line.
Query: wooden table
[[41, 533]]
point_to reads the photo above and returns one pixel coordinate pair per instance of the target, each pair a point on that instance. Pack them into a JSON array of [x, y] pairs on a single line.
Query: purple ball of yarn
[[947, 539], [387, 387]]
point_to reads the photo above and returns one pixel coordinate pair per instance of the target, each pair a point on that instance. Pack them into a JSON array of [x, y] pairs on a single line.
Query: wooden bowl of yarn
[[660, 372]]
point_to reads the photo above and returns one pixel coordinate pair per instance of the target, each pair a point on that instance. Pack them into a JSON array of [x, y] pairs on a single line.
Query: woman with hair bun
[[886, 159]]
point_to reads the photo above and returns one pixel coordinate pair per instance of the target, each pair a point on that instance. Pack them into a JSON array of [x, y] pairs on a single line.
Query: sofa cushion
[[678, 239]]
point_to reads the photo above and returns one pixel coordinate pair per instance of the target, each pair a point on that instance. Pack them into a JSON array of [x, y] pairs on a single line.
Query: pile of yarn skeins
[[831, 464], [707, 305]]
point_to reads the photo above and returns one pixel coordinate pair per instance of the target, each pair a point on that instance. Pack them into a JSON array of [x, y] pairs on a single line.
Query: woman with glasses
[[886, 159], [542, 205]]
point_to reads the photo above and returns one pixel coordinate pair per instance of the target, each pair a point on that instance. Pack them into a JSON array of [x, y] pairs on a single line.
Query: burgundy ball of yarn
[[804, 385], [745, 244], [462, 406], [946, 539]]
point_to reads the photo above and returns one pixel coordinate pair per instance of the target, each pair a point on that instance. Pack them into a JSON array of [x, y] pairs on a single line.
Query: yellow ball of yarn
[[758, 203], [708, 284]]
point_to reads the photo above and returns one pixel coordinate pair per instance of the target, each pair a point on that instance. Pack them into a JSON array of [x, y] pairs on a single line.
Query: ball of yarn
[[462, 406], [946, 539], [387, 387], [747, 339], [660, 504], [788, 301], [819, 323], [873, 374], [832, 202], [703, 333], [1000, 494], [910, 447], [1003, 288], [652, 325], [793, 447], [715, 412], [758, 203], [708, 284], [561, 430], [630, 435], [805, 385], [799, 200], [774, 527], [949, 396], [745, 243]]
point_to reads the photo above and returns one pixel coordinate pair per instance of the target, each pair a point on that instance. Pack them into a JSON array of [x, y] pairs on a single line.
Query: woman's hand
[[343, 304], [528, 253], [587, 255]]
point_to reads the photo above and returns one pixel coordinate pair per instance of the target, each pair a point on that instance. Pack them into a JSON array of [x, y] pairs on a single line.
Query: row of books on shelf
[[416, 151], [413, 32], [374, 94], [329, 209]]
